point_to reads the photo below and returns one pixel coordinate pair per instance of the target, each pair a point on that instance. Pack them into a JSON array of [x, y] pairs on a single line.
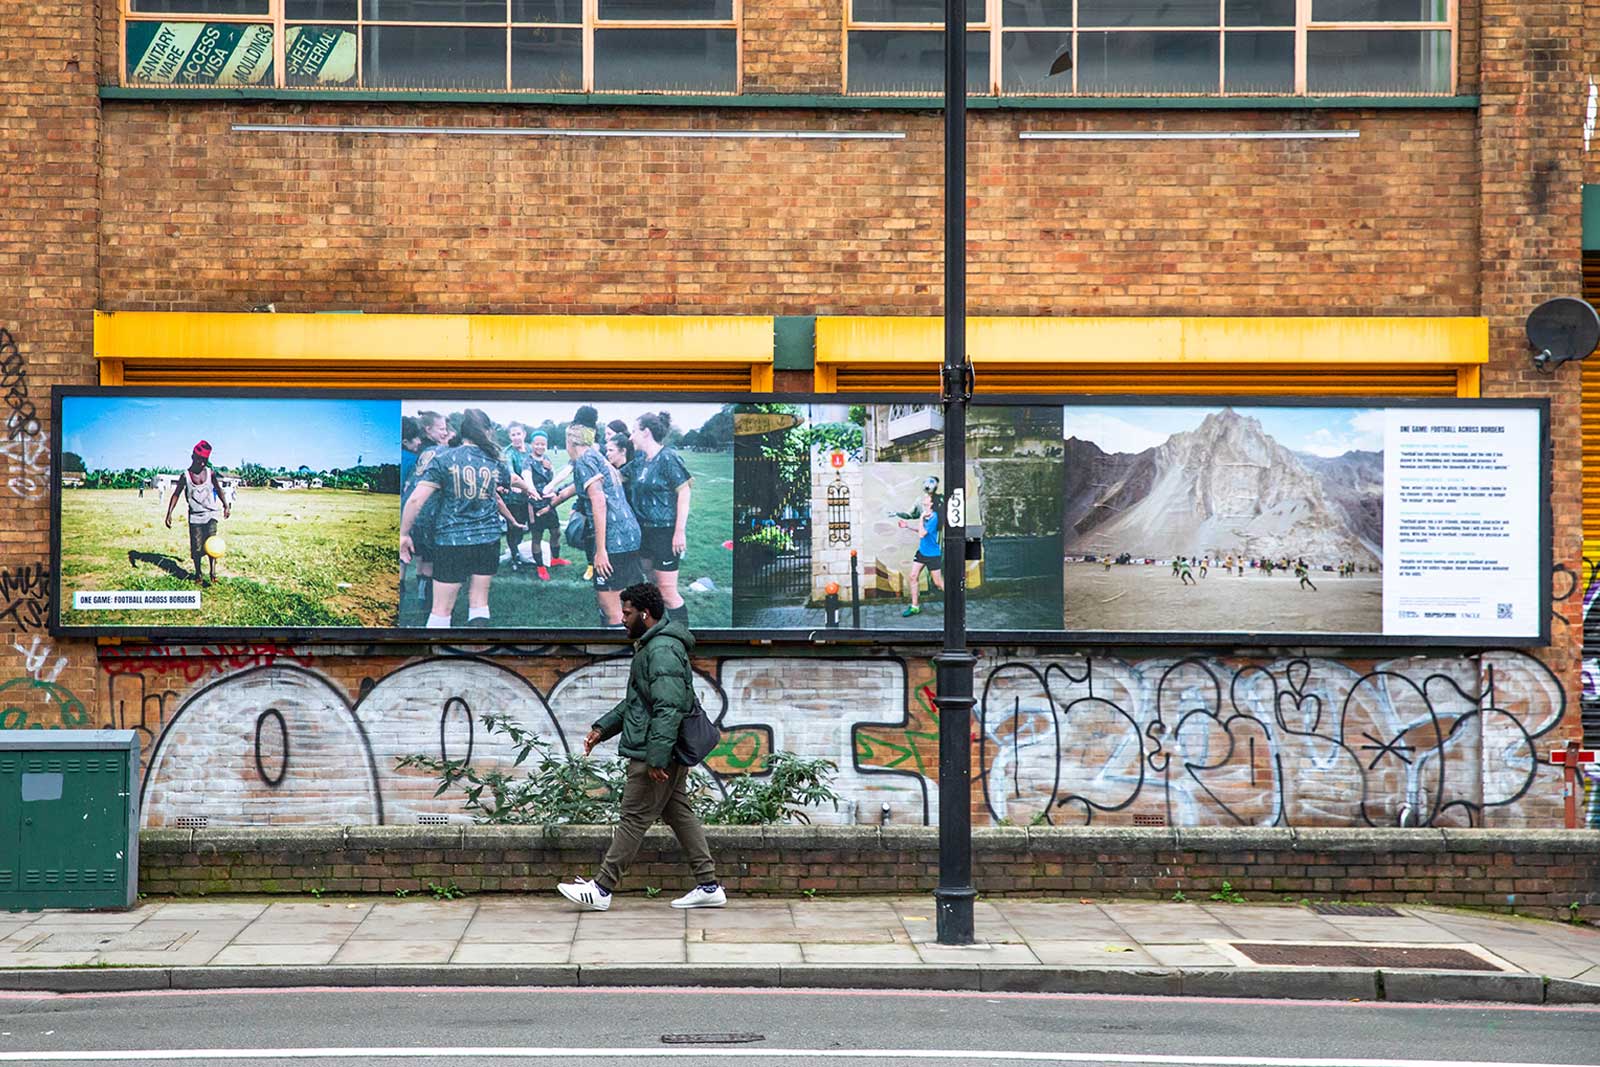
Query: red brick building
[[1364, 188]]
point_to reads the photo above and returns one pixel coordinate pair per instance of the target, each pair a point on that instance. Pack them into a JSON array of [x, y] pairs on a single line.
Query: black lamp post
[[953, 665]]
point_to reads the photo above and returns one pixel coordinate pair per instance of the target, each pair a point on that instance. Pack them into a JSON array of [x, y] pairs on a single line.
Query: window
[[665, 46], [1159, 47]]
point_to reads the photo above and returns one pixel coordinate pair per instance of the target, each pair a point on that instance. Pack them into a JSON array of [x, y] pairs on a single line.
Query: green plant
[[450, 891], [402, 893], [1179, 898], [792, 783], [555, 789], [316, 891], [1574, 913], [809, 893], [652, 891], [1228, 895], [1039, 819], [773, 537]]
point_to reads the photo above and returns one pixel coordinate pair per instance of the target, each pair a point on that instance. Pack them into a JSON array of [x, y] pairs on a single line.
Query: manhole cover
[[1378, 911], [1386, 957], [711, 1039], [106, 941]]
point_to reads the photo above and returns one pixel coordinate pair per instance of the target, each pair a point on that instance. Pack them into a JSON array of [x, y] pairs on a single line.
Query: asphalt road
[[326, 1027]]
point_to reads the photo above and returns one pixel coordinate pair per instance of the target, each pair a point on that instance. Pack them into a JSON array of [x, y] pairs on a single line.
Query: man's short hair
[[645, 597]]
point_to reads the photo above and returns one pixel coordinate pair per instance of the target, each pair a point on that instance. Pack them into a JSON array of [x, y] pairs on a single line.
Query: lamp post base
[[954, 905]]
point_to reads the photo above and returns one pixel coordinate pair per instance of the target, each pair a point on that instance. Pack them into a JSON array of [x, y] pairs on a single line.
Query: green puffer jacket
[[660, 694]]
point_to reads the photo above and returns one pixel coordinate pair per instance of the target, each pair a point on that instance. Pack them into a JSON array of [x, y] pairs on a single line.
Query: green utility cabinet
[[69, 811]]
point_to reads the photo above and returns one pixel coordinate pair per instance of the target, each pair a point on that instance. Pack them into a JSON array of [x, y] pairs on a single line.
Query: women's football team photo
[[518, 515]]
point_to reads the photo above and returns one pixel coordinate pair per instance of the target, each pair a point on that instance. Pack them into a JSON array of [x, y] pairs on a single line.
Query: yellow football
[[216, 546]]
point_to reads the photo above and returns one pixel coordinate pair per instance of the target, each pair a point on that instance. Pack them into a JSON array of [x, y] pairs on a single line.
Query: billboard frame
[[1246, 640]]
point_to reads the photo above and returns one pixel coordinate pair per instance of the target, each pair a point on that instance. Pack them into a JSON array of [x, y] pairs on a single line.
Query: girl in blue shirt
[[929, 554]]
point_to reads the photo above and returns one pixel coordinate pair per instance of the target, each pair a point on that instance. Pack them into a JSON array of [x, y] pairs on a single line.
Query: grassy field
[[519, 599], [303, 557]]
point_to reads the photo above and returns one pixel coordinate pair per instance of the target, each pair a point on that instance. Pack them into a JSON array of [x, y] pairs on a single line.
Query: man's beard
[[637, 628]]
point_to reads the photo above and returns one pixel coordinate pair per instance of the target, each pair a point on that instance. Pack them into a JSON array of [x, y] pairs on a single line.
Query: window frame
[[1302, 28], [591, 23]]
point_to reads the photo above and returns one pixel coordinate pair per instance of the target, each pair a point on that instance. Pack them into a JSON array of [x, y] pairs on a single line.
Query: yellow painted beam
[[389, 339], [1342, 341]]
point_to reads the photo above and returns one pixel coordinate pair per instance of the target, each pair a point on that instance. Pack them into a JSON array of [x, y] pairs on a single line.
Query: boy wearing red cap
[[206, 502]]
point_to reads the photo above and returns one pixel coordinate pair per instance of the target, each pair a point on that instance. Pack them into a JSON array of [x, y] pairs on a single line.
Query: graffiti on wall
[[251, 735], [25, 596], [22, 419]]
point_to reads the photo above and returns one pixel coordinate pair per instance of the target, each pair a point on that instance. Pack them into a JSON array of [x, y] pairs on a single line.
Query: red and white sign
[[1559, 756]]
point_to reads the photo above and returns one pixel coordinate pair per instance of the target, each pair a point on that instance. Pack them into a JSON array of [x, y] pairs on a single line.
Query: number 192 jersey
[[469, 483]]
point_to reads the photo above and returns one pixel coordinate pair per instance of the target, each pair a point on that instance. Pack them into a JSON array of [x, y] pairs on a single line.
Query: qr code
[[1502, 611]]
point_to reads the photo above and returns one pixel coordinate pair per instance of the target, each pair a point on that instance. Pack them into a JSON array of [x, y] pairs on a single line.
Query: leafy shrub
[[557, 788]]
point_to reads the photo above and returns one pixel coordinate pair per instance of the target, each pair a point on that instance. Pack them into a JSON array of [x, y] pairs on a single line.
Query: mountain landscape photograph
[[1225, 519]]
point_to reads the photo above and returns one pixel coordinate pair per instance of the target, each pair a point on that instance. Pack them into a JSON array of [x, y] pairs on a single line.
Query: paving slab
[[524, 952], [276, 955], [1189, 956], [1091, 953], [507, 927], [983, 954], [764, 952], [393, 951], [262, 932], [419, 922], [624, 950], [823, 952]]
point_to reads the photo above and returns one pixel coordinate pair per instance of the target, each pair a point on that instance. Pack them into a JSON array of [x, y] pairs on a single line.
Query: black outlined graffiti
[[25, 594], [23, 420], [273, 781]]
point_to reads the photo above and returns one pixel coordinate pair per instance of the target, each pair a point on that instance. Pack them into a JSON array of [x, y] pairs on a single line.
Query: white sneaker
[[586, 894], [701, 897]]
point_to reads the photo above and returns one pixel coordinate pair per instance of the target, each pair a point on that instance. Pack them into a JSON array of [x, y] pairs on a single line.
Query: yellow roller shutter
[[1214, 380], [436, 352], [1591, 420], [1283, 356]]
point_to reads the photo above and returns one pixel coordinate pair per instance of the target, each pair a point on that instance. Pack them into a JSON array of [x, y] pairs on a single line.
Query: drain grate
[[1374, 911], [1385, 957]]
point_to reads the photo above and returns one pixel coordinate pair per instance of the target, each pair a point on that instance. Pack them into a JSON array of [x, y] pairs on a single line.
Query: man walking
[[660, 693]]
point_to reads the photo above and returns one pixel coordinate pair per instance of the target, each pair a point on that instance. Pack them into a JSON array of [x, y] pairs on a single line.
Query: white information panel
[[1461, 521]]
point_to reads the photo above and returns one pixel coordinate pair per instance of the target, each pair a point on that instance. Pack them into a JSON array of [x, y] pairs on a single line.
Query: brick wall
[[1532, 159], [160, 205], [49, 216], [1539, 874], [1386, 224]]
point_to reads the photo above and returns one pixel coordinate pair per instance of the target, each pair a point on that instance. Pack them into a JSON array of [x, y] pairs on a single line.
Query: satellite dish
[[1562, 329]]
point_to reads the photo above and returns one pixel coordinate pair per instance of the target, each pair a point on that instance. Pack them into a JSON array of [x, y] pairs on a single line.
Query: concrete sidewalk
[[1111, 946]]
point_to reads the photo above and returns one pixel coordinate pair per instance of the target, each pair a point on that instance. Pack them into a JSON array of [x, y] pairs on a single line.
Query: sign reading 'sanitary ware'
[[1461, 529]]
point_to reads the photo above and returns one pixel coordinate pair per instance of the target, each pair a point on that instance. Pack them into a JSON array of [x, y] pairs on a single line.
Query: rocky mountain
[[1225, 487]]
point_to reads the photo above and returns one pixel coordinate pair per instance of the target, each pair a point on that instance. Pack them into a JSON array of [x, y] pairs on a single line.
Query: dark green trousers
[[643, 802]]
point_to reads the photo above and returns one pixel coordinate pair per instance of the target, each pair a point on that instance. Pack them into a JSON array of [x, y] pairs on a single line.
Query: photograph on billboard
[[1101, 520], [236, 512], [535, 515], [838, 516], [1301, 519]]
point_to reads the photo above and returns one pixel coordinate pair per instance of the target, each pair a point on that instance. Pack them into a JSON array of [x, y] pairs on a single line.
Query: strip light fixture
[[554, 131]]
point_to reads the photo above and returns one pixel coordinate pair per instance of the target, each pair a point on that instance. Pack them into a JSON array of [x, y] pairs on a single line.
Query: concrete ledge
[[1537, 842], [1567, 991], [1298, 984], [1419, 987], [397, 838], [879, 976], [720, 975], [1148, 981], [1335, 839]]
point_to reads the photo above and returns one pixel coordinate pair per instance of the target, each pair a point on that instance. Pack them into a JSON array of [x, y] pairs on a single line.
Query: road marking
[[535, 1053]]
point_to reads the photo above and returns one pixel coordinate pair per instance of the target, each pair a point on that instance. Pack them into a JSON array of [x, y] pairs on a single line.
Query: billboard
[[1105, 520]]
